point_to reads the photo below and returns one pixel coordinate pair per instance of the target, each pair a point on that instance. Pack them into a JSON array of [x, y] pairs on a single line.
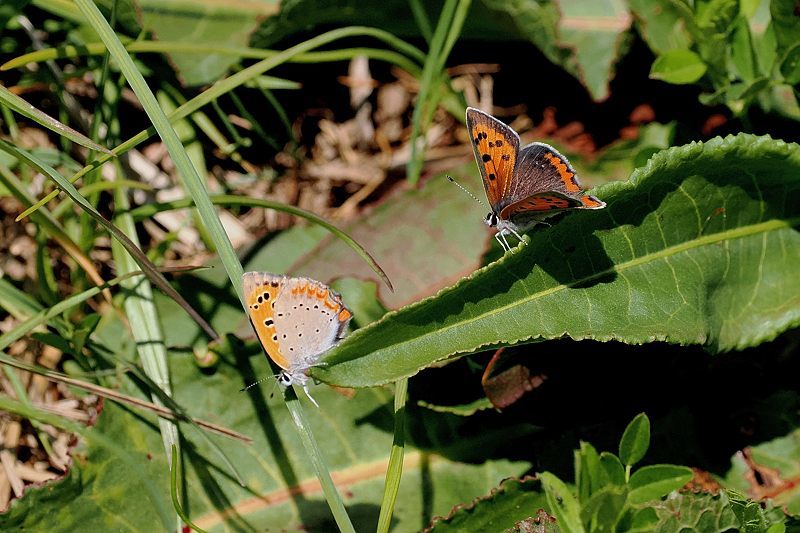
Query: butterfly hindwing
[[496, 146], [541, 168]]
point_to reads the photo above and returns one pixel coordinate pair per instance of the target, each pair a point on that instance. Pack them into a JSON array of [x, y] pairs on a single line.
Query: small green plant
[[741, 53], [608, 496]]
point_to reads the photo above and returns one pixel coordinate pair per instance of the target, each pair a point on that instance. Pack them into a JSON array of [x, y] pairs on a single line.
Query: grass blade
[[451, 20], [395, 469], [141, 259], [123, 399], [43, 316], [145, 323], [173, 490], [24, 108], [49, 224], [199, 194], [148, 210], [318, 462], [228, 84]]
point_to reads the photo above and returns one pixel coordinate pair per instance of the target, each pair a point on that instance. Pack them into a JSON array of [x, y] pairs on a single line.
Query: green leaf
[[664, 24], [612, 467], [786, 23], [742, 53], [597, 32], [562, 503], [223, 25], [790, 65], [690, 512], [639, 520], [635, 440], [428, 260], [587, 471], [656, 481], [512, 501], [280, 488], [603, 510], [680, 66], [698, 247]]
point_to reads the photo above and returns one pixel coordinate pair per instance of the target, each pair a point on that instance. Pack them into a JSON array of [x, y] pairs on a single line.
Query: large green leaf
[[597, 32], [425, 239], [698, 247], [664, 24], [280, 492], [209, 24]]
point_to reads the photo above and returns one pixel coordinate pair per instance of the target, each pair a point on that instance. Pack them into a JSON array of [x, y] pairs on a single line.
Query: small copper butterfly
[[524, 186], [296, 319]]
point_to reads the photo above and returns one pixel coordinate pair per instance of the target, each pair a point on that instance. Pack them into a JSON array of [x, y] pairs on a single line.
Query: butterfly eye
[[491, 220], [285, 379]]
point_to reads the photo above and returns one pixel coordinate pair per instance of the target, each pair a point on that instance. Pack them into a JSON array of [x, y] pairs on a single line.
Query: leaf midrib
[[732, 234]]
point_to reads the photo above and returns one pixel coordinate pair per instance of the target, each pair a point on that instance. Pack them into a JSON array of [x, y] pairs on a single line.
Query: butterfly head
[[285, 379], [491, 220]]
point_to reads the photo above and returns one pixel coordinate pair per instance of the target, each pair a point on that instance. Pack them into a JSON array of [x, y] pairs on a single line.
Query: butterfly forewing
[[261, 291], [496, 146]]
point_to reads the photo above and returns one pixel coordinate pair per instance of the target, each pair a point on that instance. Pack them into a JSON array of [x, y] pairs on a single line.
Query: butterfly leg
[[305, 388], [500, 237], [517, 235]]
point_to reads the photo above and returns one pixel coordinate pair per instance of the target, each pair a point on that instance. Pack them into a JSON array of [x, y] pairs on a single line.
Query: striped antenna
[[262, 380], [457, 184]]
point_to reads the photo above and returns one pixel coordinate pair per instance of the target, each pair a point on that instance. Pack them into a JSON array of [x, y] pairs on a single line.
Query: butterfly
[[523, 185], [297, 320]]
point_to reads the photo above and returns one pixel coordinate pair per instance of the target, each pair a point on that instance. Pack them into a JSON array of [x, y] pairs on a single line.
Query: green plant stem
[[173, 490], [394, 470], [318, 462], [424, 101]]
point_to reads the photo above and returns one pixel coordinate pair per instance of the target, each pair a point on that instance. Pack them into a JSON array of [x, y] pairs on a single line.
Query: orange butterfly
[[524, 186], [297, 320]]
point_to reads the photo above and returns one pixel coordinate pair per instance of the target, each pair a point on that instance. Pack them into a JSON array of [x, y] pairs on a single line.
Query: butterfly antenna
[[262, 380], [457, 184]]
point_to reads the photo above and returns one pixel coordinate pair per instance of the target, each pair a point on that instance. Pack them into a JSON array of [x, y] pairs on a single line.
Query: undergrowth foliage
[[142, 142]]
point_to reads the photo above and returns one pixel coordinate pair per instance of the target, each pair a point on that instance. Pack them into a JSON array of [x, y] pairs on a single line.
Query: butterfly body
[[525, 185], [296, 319]]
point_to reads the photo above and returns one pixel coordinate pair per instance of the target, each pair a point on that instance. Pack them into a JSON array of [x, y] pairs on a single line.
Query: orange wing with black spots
[[261, 291], [496, 147], [540, 204]]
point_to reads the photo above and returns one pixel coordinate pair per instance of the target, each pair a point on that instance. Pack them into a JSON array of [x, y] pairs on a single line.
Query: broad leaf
[[281, 492], [698, 247], [603, 510], [635, 440], [597, 32], [656, 481], [562, 503], [678, 66]]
